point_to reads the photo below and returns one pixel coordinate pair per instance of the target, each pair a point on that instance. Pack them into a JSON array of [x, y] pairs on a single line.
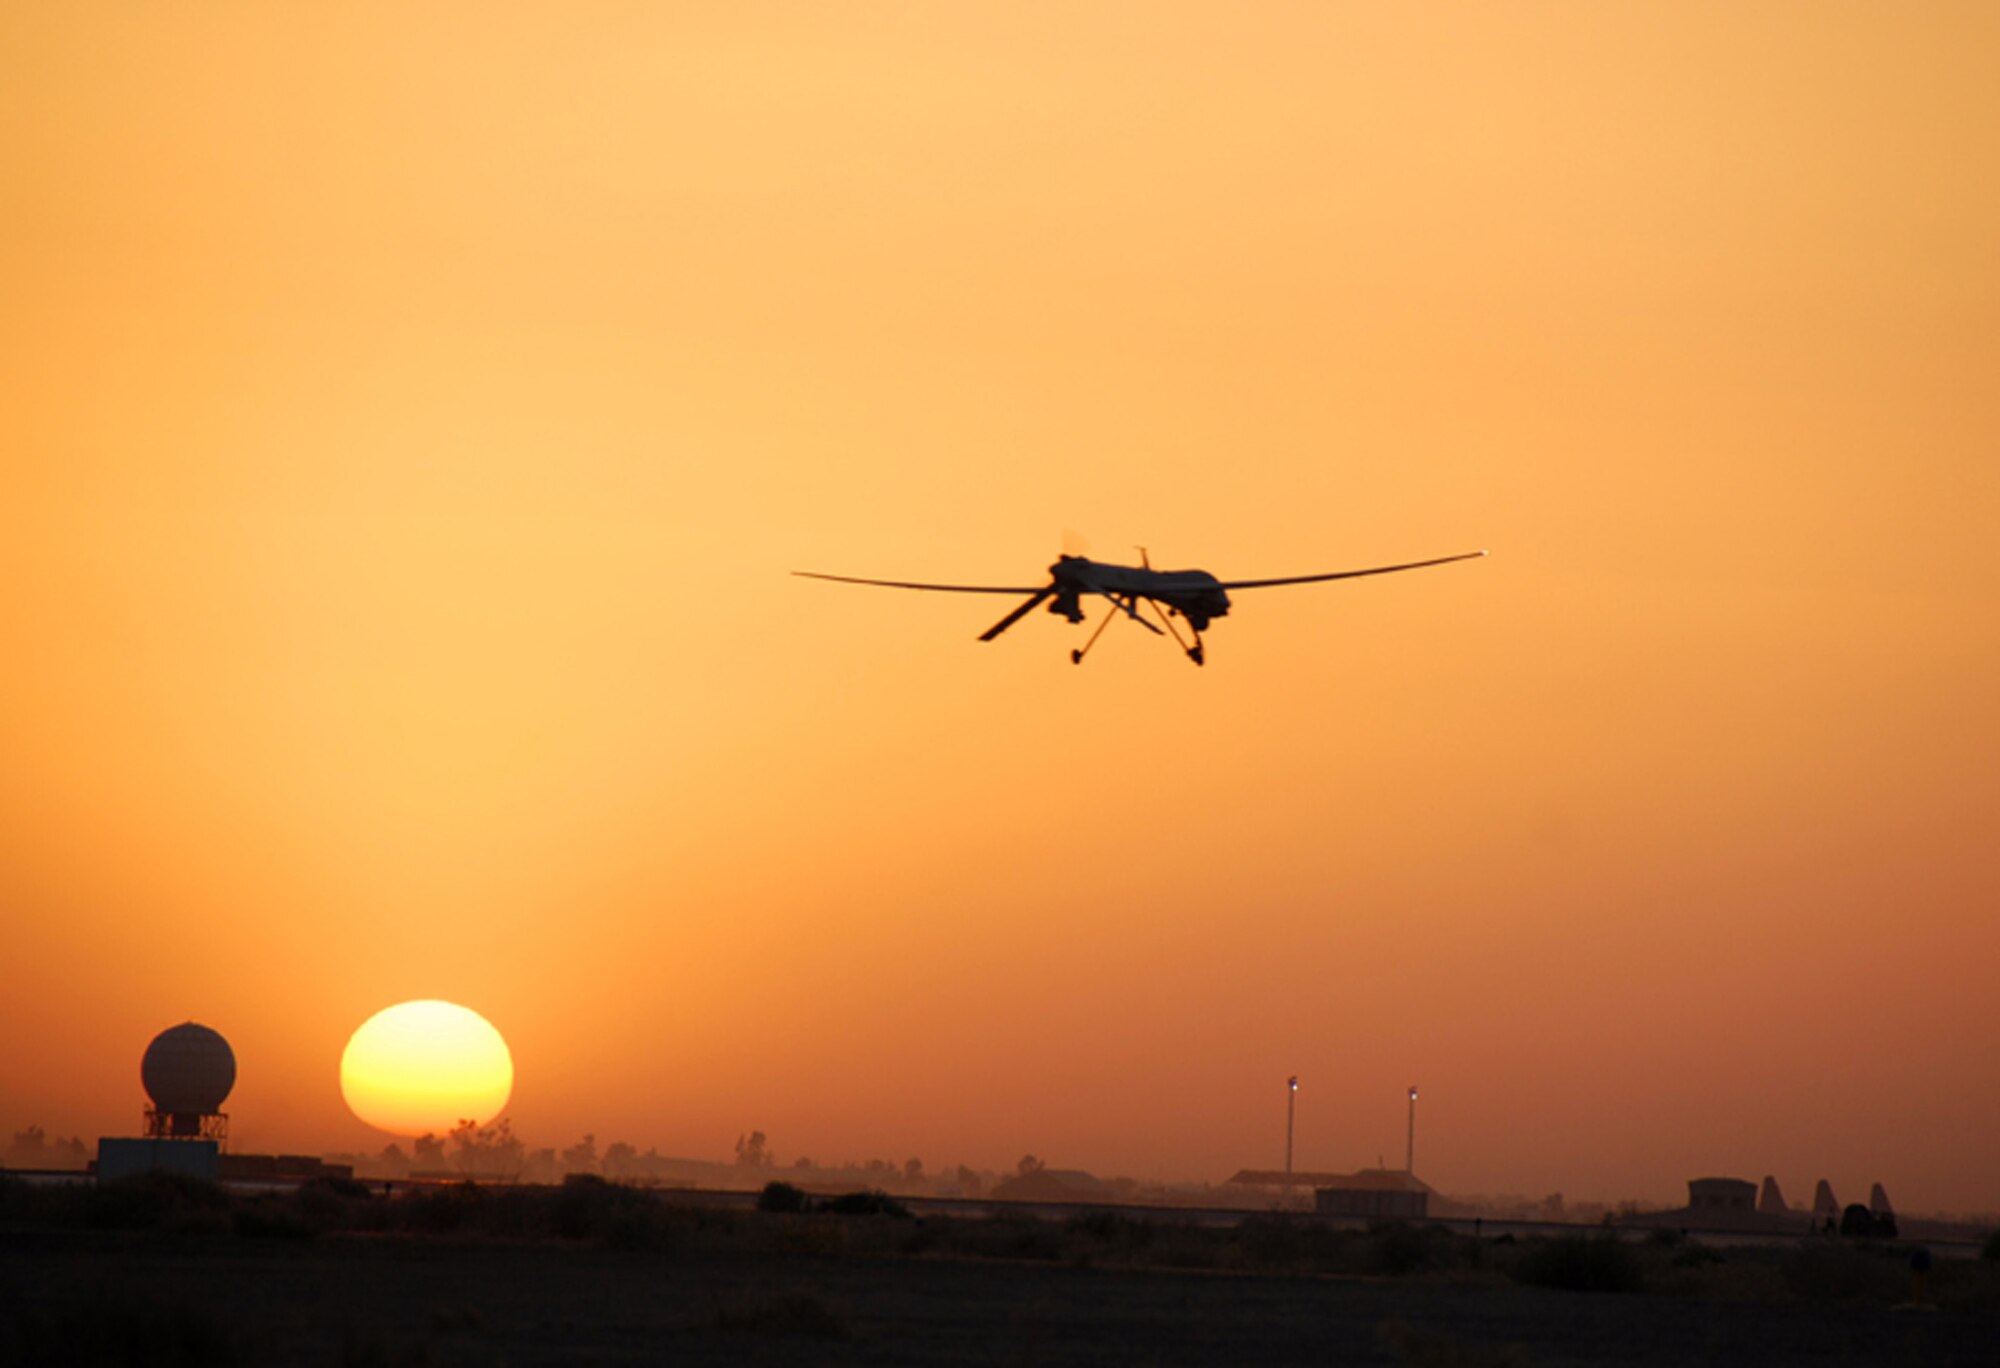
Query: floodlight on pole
[[1410, 1151], [1291, 1104]]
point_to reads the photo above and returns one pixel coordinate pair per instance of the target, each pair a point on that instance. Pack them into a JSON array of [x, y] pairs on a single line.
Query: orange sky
[[407, 422]]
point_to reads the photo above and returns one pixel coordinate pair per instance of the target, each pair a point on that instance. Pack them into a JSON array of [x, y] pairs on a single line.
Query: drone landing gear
[[1195, 652], [1129, 607], [1076, 657]]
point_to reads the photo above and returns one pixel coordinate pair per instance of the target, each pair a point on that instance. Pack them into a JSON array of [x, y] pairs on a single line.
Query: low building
[[278, 1168], [1721, 1194], [1375, 1195], [1053, 1185], [123, 1158]]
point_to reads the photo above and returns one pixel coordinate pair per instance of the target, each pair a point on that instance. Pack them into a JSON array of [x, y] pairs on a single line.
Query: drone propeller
[[1026, 608]]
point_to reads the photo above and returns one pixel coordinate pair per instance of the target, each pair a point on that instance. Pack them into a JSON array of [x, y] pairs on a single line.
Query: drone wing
[[1347, 574], [941, 588]]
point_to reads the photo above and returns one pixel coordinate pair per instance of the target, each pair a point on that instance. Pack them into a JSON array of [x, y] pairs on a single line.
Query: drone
[[1191, 596]]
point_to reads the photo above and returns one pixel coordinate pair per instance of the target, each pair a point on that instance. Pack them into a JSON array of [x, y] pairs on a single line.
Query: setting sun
[[425, 1066]]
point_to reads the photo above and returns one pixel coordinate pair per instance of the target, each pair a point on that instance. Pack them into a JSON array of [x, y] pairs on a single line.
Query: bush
[[783, 1197], [272, 1218], [1992, 1249], [1110, 1228], [1397, 1250], [1008, 1237], [589, 1208], [153, 1201], [441, 1211], [1861, 1223], [1599, 1263], [1833, 1272], [862, 1204]]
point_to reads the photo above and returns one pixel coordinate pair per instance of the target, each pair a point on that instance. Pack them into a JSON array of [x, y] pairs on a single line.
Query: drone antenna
[[1144, 559]]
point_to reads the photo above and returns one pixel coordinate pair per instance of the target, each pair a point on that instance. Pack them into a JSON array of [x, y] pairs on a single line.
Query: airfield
[[175, 1272]]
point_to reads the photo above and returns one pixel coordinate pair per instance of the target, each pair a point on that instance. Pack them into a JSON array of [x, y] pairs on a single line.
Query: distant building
[[1053, 1185], [1721, 1194], [1376, 1194], [1725, 1204], [278, 1168], [1281, 1181]]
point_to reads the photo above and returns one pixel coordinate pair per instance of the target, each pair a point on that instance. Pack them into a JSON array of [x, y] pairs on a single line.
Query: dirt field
[[169, 1271], [93, 1296]]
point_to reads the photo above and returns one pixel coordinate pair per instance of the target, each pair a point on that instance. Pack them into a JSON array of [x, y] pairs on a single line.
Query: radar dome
[[188, 1068]]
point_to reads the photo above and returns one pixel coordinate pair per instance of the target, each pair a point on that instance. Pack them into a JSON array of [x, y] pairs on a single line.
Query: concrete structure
[[123, 1158]]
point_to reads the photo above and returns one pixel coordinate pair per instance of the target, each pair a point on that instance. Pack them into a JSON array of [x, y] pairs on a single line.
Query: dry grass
[[592, 1212]]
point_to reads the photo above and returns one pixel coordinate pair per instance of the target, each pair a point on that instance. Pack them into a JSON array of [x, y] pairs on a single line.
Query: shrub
[[783, 1197], [1858, 1222], [587, 1207], [1598, 1263], [863, 1204], [1992, 1249], [271, 1219], [1110, 1228], [1397, 1250], [1832, 1272], [441, 1211], [1008, 1237], [150, 1201], [1273, 1241], [1696, 1256]]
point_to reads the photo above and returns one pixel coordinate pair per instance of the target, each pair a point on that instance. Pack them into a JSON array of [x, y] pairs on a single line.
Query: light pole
[[1410, 1152], [1291, 1103]]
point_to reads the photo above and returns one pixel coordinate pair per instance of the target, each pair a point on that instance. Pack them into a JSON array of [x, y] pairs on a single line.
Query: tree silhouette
[[490, 1152], [30, 1149]]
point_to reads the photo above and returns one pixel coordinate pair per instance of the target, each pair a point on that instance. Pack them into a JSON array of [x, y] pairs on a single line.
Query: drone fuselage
[[1195, 594]]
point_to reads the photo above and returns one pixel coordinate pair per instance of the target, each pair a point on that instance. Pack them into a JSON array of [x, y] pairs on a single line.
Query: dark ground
[[79, 1295]]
